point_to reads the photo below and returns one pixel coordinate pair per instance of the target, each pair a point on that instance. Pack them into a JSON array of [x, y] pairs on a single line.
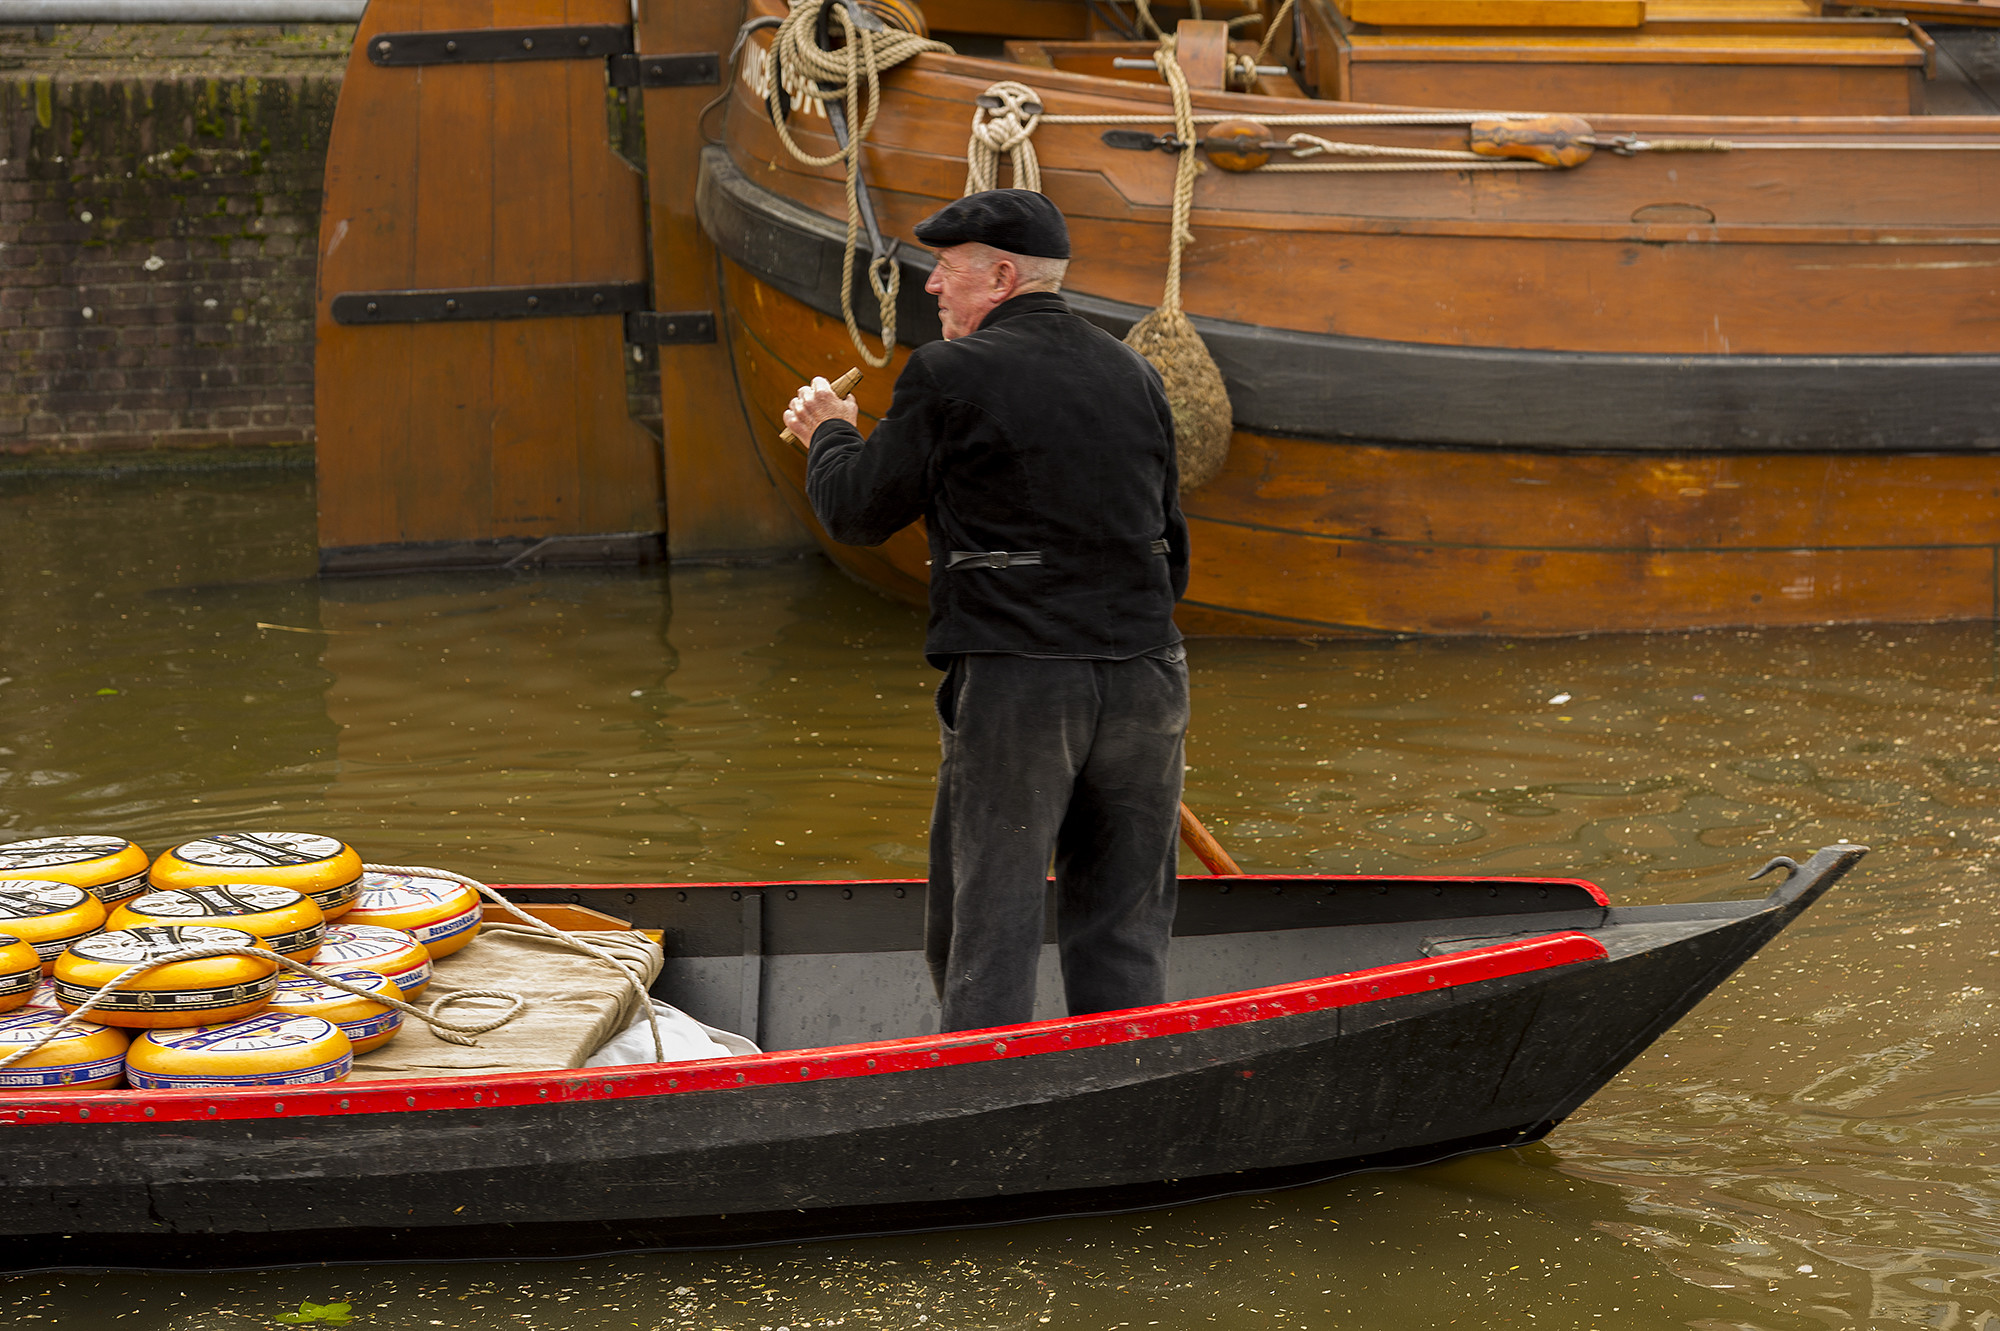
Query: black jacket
[[1040, 432]]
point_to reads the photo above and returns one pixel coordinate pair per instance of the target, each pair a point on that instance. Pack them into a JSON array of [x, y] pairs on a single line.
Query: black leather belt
[[1008, 558], [992, 558]]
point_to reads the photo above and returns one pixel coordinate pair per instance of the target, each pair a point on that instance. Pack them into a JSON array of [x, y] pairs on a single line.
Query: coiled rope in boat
[[461, 1033], [852, 73], [1166, 337]]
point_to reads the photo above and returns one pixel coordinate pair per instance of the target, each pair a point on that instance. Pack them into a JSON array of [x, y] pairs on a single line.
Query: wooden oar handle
[[841, 388], [1205, 847]]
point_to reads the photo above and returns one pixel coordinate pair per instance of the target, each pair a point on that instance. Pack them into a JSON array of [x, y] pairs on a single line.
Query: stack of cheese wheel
[[366, 1023], [20, 972], [319, 867], [110, 868], [47, 915], [269, 1049], [443, 915], [85, 1057], [284, 921], [391, 952], [180, 993]]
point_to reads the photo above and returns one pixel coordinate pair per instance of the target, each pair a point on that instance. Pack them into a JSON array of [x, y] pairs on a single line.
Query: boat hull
[[1487, 1044], [1481, 405]]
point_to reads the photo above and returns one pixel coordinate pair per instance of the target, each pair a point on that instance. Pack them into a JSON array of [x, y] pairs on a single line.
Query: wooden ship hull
[[1659, 391], [1752, 384], [1332, 1024]]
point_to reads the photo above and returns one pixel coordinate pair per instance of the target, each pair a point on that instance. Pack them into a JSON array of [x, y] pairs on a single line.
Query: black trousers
[[1079, 760]]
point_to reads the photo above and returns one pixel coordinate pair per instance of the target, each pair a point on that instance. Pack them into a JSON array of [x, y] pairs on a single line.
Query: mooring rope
[[796, 59], [1271, 27], [1186, 166]]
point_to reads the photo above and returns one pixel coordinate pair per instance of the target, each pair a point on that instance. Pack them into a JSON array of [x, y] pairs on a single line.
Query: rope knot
[[1003, 122]]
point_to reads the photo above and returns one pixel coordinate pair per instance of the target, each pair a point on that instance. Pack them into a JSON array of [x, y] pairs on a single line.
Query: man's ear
[[1006, 277]]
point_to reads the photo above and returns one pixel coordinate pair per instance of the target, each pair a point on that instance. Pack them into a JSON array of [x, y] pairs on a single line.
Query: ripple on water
[[1814, 1146]]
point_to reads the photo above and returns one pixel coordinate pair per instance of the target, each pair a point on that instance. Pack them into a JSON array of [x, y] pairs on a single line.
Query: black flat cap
[[1019, 221]]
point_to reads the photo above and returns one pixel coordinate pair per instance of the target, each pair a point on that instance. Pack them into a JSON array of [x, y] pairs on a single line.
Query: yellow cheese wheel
[[395, 953], [367, 1024], [110, 868], [442, 914], [48, 915], [269, 1049], [286, 922], [87, 1056], [180, 993], [20, 972], [320, 867]]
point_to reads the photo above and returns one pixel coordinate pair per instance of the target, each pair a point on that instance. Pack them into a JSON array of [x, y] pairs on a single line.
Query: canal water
[[1815, 1146]]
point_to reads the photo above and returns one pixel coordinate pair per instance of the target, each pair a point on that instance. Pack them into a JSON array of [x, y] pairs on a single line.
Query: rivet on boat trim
[[673, 1084], [149, 1111], [999, 1046], [343, 1104], [410, 1101], [739, 1077]]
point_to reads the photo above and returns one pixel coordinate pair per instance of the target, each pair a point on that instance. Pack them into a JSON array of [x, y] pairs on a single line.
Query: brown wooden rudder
[[480, 240]]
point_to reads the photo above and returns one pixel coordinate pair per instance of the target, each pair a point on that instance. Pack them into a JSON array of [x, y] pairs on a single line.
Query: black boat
[[1343, 1024]]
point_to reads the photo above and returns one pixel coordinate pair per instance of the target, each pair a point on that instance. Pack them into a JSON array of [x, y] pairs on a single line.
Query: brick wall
[[159, 203]]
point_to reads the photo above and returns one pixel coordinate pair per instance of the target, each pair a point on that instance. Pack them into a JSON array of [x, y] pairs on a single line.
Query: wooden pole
[[1204, 845], [841, 388]]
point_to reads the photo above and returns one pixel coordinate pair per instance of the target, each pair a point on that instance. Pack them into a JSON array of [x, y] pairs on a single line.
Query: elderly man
[[1039, 450]]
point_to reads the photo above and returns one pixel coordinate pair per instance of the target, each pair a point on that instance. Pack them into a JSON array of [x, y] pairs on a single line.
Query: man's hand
[[814, 406]]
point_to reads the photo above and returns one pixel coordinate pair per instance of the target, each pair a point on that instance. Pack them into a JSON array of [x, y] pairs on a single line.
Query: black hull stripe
[[1321, 386], [573, 1241]]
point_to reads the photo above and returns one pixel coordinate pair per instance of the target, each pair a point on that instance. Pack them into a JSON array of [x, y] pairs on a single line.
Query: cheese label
[[375, 945], [27, 1027], [333, 898], [294, 988], [201, 902], [150, 942], [250, 850], [262, 1036], [49, 852], [400, 891], [102, 1064], [164, 1000], [30, 898], [252, 1035]]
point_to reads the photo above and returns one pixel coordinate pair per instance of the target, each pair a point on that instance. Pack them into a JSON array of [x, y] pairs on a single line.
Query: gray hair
[[1037, 273]]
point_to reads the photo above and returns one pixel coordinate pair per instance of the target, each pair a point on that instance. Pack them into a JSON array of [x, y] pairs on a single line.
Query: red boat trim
[[1331, 880], [1501, 960]]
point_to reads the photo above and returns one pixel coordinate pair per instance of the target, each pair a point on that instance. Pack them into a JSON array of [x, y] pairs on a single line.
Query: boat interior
[[1650, 57], [807, 965]]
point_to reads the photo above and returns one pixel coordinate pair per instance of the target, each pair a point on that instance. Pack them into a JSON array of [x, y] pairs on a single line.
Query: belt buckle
[[996, 558]]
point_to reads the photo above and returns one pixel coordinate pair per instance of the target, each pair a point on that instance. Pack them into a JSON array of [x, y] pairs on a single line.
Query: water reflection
[[1814, 1146]]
